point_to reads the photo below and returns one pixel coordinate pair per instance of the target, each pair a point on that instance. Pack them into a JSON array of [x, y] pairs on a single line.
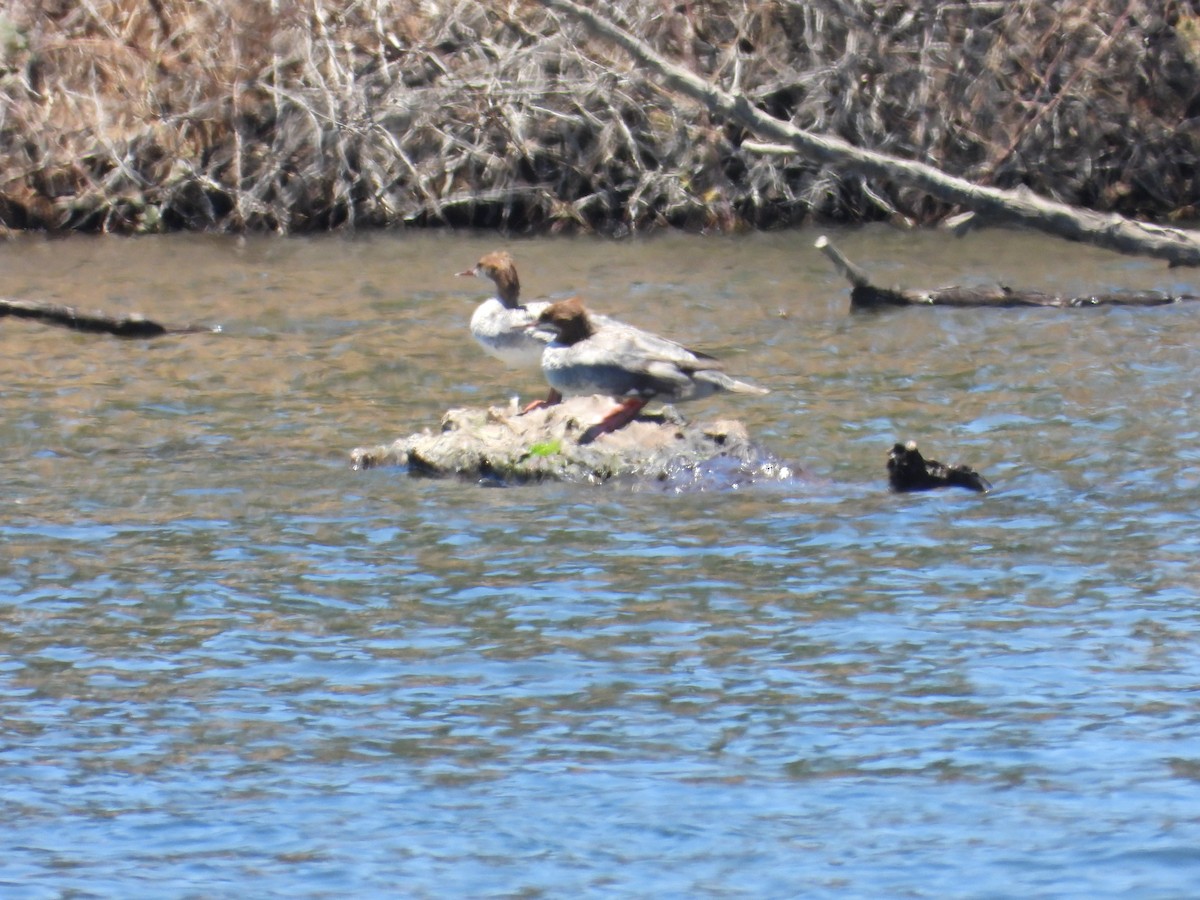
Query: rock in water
[[503, 446], [909, 471]]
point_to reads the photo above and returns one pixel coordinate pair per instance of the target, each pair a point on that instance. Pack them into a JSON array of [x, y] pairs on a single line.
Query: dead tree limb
[[1179, 247], [852, 273], [131, 326], [864, 295]]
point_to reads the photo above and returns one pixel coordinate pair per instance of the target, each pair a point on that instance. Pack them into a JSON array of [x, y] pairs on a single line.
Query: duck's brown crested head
[[502, 270], [569, 320]]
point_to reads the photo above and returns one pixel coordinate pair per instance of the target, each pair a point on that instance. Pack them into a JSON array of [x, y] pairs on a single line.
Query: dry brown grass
[[294, 115]]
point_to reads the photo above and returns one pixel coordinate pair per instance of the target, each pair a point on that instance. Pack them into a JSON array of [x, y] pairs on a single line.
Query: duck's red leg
[[553, 398], [622, 415]]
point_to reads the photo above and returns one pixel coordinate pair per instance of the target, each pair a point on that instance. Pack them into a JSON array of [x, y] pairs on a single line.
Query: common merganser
[[501, 324], [591, 355]]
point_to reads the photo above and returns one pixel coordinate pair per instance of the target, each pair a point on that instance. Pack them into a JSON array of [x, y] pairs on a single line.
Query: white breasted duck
[[501, 323]]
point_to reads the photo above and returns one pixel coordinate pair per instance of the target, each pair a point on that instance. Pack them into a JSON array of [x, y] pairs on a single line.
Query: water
[[231, 665]]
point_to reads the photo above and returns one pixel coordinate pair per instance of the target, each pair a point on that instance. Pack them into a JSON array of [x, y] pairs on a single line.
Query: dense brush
[[295, 115]]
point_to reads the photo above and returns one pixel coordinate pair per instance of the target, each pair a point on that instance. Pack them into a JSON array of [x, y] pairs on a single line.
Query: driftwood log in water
[[909, 471], [1178, 246], [501, 446], [130, 326], [864, 295]]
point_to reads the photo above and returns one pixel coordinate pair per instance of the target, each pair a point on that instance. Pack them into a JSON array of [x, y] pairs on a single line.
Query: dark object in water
[[131, 326], [867, 296], [864, 297], [908, 470]]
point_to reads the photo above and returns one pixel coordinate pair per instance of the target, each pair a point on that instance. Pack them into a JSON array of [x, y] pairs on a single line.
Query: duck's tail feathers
[[724, 382]]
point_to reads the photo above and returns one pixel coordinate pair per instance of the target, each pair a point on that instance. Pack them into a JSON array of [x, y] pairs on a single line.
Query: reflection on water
[[229, 660]]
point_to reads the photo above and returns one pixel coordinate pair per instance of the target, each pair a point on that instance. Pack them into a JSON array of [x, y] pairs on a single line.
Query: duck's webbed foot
[[620, 416], [553, 398]]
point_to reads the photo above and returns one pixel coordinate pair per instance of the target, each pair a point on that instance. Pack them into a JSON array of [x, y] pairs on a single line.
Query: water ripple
[[233, 666]]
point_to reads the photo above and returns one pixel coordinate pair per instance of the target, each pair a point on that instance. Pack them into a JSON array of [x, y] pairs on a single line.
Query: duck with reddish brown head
[[501, 324], [589, 356]]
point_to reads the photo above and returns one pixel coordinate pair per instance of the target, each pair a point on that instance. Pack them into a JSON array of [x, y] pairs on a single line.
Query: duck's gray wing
[[647, 343]]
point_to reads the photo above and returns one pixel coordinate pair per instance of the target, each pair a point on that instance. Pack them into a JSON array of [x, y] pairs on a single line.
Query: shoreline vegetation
[[291, 116]]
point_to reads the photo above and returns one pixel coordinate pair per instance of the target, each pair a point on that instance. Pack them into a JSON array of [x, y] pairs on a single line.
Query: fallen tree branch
[[852, 273], [1179, 247], [131, 326], [864, 295]]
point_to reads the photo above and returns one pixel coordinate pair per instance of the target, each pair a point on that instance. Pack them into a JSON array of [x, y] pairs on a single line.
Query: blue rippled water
[[233, 666]]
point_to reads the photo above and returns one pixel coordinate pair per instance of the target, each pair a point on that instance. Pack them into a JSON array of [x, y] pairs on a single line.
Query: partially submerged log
[[94, 322], [909, 471], [500, 445], [864, 295]]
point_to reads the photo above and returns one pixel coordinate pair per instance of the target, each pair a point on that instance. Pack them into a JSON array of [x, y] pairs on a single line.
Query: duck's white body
[[507, 334], [502, 325]]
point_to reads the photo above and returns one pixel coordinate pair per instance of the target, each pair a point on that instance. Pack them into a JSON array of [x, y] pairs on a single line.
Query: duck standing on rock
[[502, 325], [592, 355]]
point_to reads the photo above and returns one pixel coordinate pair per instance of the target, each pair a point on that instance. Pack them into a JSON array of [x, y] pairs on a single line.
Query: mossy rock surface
[[500, 445]]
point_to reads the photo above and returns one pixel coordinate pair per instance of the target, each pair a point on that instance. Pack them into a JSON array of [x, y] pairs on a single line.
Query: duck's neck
[[508, 288]]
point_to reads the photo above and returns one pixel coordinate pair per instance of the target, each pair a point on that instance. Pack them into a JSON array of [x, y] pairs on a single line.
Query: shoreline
[[388, 116]]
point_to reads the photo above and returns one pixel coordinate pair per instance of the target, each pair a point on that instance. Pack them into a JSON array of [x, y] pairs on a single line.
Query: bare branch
[[1178, 246], [131, 326]]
